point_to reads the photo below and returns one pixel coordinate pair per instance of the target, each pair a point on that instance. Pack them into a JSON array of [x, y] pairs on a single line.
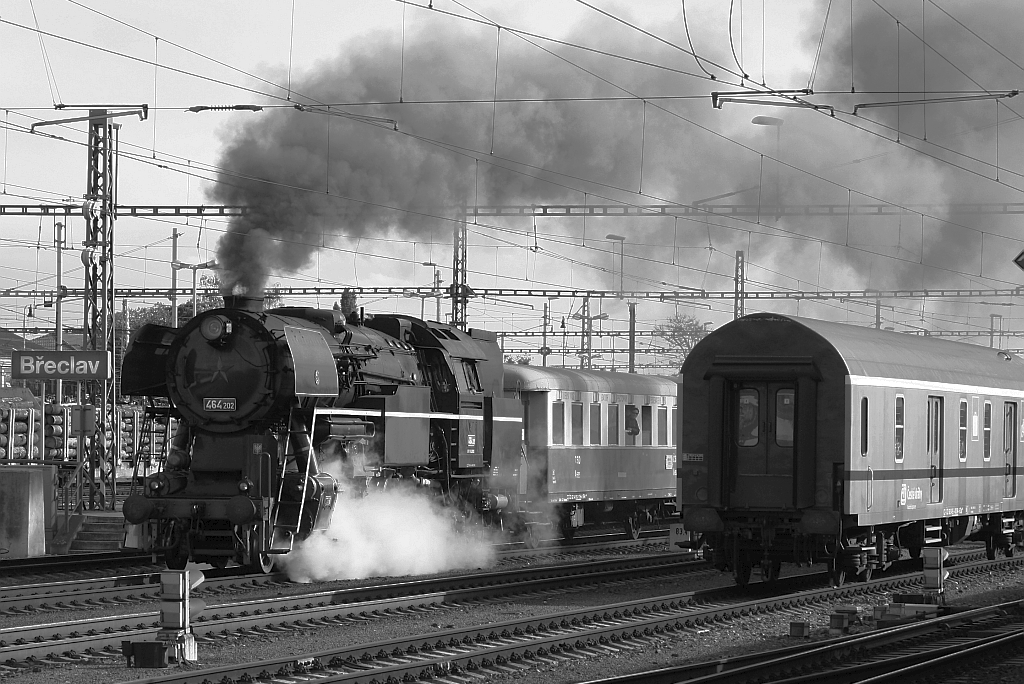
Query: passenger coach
[[807, 441], [600, 446]]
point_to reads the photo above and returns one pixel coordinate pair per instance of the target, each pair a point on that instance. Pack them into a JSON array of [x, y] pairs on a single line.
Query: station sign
[[61, 365]]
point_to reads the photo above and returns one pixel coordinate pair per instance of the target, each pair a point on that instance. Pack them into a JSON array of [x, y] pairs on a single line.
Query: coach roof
[[540, 379], [875, 353]]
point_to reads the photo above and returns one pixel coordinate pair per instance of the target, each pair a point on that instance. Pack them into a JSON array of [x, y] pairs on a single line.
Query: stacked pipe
[[17, 434], [53, 432], [129, 434]]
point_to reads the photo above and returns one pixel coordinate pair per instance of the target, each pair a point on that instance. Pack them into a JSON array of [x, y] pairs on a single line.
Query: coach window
[[577, 422], [963, 429], [595, 423], [899, 423], [662, 425], [632, 423], [864, 426], [558, 422], [987, 431], [646, 425], [785, 413], [747, 418], [613, 423]]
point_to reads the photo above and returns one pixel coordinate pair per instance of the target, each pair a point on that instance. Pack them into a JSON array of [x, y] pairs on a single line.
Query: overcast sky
[[617, 112]]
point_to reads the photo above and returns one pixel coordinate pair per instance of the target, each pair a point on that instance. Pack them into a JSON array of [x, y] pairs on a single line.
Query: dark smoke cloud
[[302, 192]]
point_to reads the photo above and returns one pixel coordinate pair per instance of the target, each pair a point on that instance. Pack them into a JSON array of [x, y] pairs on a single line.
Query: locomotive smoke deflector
[[316, 374]]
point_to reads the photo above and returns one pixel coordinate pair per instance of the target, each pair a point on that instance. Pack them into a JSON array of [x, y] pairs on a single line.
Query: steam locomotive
[[266, 399], [807, 441]]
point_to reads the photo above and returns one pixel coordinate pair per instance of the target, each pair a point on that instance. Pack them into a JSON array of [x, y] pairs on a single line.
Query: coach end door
[[760, 436]]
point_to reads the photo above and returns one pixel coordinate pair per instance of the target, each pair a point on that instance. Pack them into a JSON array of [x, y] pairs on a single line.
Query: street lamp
[[621, 239], [437, 289], [26, 313], [195, 268]]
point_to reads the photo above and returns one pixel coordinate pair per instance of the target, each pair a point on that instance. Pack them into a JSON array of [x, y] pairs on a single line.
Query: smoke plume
[[308, 177]]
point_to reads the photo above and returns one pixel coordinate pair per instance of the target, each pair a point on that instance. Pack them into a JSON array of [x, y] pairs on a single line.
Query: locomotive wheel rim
[[263, 562]]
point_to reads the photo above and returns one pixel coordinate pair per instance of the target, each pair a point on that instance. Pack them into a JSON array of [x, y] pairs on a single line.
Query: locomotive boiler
[[266, 398]]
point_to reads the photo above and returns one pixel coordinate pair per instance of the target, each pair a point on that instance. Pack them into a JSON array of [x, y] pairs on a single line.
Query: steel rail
[[52, 640], [119, 589]]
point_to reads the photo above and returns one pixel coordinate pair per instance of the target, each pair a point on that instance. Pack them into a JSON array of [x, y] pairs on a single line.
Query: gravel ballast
[[755, 633]]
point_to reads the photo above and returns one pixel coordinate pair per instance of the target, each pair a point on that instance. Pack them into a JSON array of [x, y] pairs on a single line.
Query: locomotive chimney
[[243, 302]]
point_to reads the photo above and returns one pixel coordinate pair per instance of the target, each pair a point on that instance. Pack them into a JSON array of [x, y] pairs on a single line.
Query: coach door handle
[[871, 487], [934, 471]]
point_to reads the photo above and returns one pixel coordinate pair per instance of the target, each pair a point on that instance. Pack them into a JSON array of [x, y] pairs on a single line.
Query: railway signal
[[935, 572], [177, 610]]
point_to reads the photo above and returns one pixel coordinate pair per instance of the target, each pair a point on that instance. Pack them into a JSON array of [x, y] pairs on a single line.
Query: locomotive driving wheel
[[259, 561]]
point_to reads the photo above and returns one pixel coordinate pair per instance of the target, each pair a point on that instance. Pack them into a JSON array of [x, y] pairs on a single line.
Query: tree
[[347, 304], [681, 333], [520, 360]]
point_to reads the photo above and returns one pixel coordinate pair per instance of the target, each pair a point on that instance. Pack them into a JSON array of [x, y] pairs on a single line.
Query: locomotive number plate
[[219, 404]]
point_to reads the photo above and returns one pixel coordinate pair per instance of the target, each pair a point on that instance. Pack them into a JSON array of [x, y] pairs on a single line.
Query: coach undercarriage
[[768, 540]]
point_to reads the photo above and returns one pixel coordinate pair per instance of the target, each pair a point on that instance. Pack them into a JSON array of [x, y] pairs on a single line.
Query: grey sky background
[[616, 112]]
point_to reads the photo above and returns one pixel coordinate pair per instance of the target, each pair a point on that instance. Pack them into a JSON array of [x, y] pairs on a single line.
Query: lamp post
[[26, 313], [437, 289], [621, 239], [195, 268]]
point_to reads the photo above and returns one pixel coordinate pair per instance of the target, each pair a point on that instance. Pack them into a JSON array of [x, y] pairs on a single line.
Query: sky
[[410, 113]]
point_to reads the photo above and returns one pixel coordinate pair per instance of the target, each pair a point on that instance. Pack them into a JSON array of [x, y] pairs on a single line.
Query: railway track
[[490, 648], [76, 566], [56, 642], [904, 654], [127, 589]]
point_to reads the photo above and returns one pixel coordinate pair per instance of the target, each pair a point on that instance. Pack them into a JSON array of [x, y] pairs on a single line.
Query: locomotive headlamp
[[215, 329], [244, 486]]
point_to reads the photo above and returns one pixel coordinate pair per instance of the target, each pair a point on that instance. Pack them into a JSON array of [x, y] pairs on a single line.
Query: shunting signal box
[[935, 573], [175, 640]]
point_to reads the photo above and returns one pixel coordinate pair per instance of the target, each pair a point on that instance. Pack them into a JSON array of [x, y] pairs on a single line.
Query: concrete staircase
[[98, 533]]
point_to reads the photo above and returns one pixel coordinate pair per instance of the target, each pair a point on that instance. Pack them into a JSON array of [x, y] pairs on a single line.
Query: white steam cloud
[[389, 532]]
